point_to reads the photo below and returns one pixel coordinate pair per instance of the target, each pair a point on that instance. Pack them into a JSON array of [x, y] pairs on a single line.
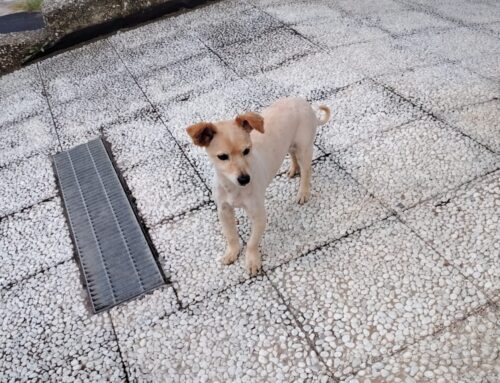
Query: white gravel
[[21, 95], [480, 121], [385, 56], [265, 51], [33, 135], [442, 87], [361, 111], [104, 93], [419, 160], [485, 65], [337, 206], [165, 186], [463, 227], [468, 12], [32, 241], [190, 248], [456, 43], [242, 335], [371, 293], [138, 139], [26, 183], [48, 333], [466, 352], [407, 21], [312, 76]]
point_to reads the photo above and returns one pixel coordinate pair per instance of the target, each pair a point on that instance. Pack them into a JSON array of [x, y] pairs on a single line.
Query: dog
[[247, 152]]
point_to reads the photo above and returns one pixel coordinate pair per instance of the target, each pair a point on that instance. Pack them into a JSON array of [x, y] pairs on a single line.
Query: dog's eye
[[246, 151], [223, 157]]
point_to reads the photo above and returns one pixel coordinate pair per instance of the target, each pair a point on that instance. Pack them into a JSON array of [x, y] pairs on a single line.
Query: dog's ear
[[202, 133], [251, 120]]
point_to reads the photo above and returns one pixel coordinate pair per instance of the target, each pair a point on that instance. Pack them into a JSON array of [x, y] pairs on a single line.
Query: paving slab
[[48, 332], [338, 206], [155, 46], [466, 352], [186, 79], [138, 139], [265, 51], [165, 186], [367, 7], [405, 166], [463, 227], [385, 56], [25, 138], [463, 11], [480, 121], [373, 293], [335, 29], [105, 92], [408, 21], [32, 241], [296, 12], [442, 87], [26, 183], [244, 334], [361, 111], [248, 24], [456, 43], [314, 76], [21, 95], [485, 65]]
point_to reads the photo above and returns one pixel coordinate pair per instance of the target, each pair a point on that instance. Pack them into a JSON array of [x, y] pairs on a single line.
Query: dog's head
[[229, 145]]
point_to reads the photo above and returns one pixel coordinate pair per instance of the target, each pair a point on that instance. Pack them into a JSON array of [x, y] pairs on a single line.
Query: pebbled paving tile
[[371, 294], [49, 334], [485, 65], [385, 56], [463, 227], [265, 52], [25, 184], [338, 206], [313, 77], [244, 334], [407, 21], [465, 352], [480, 121], [442, 87], [21, 95], [165, 186], [27, 137], [455, 44], [422, 159], [32, 241], [360, 112], [88, 88]]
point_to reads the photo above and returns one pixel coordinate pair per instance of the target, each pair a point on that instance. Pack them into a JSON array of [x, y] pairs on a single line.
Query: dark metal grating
[[116, 259]]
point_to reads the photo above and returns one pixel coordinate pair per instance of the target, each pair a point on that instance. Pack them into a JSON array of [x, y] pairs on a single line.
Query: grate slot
[[116, 259]]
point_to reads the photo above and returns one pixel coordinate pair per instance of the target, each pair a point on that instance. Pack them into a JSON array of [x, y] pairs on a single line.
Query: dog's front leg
[[258, 217], [230, 231]]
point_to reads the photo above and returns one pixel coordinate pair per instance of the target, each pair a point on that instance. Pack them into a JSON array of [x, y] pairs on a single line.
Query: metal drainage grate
[[116, 259]]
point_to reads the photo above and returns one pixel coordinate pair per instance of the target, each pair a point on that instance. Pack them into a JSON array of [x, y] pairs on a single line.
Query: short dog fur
[[247, 152]]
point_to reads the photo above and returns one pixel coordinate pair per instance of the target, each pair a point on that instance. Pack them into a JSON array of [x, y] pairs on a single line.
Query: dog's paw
[[303, 197], [230, 256], [253, 262]]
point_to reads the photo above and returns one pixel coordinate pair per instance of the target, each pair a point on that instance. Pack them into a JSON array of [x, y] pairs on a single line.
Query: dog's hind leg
[[294, 166], [304, 158]]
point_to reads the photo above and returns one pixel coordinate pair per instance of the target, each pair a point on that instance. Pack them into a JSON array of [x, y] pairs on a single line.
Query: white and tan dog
[[247, 152]]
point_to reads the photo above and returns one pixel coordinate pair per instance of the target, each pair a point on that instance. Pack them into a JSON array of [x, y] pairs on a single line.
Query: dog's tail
[[326, 114]]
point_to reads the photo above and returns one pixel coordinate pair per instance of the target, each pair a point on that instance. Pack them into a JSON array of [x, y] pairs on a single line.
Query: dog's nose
[[243, 179]]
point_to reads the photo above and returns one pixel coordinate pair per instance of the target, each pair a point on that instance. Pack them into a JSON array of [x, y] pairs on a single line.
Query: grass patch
[[28, 5]]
